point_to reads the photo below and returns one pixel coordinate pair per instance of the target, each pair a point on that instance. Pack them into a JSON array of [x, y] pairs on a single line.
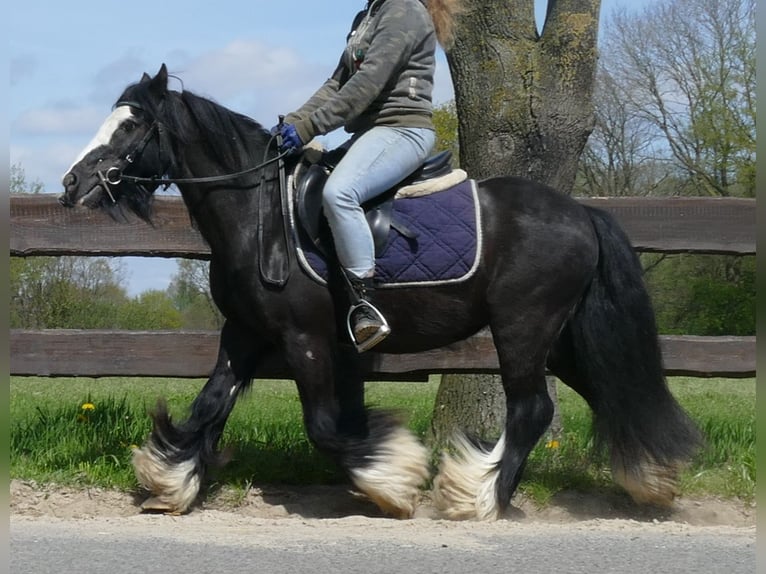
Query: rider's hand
[[290, 138]]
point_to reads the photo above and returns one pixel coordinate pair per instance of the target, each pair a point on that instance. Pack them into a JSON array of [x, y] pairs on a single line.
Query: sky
[[69, 61]]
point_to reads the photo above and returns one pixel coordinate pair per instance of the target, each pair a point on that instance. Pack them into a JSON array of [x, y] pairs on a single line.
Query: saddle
[[378, 212]]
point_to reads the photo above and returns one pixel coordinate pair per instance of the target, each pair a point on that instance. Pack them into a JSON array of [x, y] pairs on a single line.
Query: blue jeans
[[376, 160]]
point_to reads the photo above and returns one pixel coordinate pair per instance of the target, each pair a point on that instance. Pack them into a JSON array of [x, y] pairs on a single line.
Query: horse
[[558, 284]]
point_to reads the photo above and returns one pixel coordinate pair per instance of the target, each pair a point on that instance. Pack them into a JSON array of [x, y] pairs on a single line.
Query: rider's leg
[[377, 160]]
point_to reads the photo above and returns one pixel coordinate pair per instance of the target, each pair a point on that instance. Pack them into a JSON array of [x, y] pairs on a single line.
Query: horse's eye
[[128, 126]]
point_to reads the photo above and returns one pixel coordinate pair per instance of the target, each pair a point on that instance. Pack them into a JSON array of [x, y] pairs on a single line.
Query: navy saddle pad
[[446, 247]]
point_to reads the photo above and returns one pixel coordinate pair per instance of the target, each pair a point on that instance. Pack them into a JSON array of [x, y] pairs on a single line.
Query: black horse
[[558, 284]]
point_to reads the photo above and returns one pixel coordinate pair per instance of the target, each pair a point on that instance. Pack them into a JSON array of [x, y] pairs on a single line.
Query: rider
[[381, 94]]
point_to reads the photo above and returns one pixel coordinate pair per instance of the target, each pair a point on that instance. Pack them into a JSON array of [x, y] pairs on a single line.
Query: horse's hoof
[[154, 504]]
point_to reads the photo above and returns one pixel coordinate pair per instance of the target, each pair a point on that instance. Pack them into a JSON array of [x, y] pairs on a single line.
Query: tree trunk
[[524, 99], [524, 105], [473, 404]]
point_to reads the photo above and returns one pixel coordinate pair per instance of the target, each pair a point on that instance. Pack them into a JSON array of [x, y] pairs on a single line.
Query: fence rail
[[39, 226], [99, 353]]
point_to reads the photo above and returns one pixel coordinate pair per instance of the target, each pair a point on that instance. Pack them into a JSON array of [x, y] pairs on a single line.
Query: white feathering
[[393, 479], [174, 486], [465, 487]]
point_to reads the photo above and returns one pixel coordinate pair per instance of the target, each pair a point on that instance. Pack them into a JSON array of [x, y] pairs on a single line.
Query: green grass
[[724, 409], [55, 440]]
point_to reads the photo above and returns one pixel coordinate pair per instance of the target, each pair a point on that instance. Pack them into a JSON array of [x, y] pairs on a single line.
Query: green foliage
[[150, 310], [723, 409], [190, 292], [82, 293], [702, 294], [63, 292], [446, 125], [726, 417]]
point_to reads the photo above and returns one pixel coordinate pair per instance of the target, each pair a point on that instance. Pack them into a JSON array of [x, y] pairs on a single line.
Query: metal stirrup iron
[[357, 290], [383, 330]]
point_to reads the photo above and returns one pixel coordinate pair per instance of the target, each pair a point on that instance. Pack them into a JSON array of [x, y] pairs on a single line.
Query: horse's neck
[[225, 211], [228, 213]]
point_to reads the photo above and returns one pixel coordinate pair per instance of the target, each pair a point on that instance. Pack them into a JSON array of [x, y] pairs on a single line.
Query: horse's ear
[[159, 83], [146, 77]]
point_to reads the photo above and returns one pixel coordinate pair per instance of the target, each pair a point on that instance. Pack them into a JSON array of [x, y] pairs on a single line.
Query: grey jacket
[[385, 75]]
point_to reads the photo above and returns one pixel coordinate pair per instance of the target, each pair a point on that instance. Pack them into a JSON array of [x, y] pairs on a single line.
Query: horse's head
[[129, 144]]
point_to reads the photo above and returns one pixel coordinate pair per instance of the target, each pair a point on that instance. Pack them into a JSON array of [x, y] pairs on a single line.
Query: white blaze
[[104, 133]]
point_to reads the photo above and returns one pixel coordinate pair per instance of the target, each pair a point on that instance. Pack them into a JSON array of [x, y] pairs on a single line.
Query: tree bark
[[473, 404], [524, 104], [524, 98]]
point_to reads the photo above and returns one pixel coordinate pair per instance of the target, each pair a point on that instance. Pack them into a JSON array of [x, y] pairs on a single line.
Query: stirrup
[[382, 332]]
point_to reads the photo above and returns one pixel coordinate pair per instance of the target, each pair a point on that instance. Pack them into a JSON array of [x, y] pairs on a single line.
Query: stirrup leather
[[382, 332]]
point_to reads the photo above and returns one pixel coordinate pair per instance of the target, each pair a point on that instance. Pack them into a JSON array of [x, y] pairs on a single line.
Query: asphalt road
[[167, 545]]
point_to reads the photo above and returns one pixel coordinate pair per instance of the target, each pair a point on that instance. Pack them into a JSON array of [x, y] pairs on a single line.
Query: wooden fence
[[39, 226]]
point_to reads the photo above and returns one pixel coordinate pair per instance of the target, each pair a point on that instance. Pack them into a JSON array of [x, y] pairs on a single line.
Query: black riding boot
[[366, 325]]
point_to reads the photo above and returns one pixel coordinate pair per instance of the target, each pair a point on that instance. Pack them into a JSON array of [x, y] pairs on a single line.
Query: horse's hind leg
[[383, 459], [479, 483], [172, 462]]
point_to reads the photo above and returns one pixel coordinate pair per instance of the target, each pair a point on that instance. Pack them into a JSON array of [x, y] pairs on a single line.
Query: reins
[[114, 176], [208, 179], [166, 181]]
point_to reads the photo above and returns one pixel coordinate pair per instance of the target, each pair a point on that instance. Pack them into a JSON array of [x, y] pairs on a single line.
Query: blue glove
[[290, 138]]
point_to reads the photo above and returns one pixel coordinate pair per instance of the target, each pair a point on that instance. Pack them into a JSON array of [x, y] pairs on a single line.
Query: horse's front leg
[[172, 462], [383, 459]]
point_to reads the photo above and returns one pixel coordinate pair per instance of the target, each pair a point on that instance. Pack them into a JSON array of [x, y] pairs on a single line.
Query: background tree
[[19, 184], [675, 115], [78, 292], [524, 98], [524, 103], [63, 292], [150, 310], [55, 292], [621, 157], [190, 291], [684, 73], [445, 123]]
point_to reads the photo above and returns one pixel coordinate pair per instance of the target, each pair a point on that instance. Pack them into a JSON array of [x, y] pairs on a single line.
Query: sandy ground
[[300, 504]]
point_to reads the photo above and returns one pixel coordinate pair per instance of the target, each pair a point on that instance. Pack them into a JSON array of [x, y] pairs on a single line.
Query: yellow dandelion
[[88, 407], [133, 447], [552, 444]]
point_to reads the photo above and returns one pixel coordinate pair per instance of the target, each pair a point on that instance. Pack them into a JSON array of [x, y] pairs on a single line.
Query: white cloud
[[243, 67], [59, 119]]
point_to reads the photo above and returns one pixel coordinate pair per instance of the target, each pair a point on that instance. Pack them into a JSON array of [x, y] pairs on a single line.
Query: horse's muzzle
[[69, 181]]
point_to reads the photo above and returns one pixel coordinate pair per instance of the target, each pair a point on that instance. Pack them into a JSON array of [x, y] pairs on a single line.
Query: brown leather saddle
[[308, 199]]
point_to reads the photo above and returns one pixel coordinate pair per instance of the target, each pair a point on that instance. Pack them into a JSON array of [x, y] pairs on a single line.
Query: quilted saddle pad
[[446, 247]]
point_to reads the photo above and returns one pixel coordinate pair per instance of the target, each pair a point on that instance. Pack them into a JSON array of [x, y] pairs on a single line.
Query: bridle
[[115, 175]]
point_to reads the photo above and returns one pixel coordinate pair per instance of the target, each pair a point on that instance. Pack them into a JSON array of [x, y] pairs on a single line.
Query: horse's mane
[[232, 139]]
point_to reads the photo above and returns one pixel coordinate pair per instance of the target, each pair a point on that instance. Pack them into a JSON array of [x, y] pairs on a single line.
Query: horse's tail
[[609, 352]]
